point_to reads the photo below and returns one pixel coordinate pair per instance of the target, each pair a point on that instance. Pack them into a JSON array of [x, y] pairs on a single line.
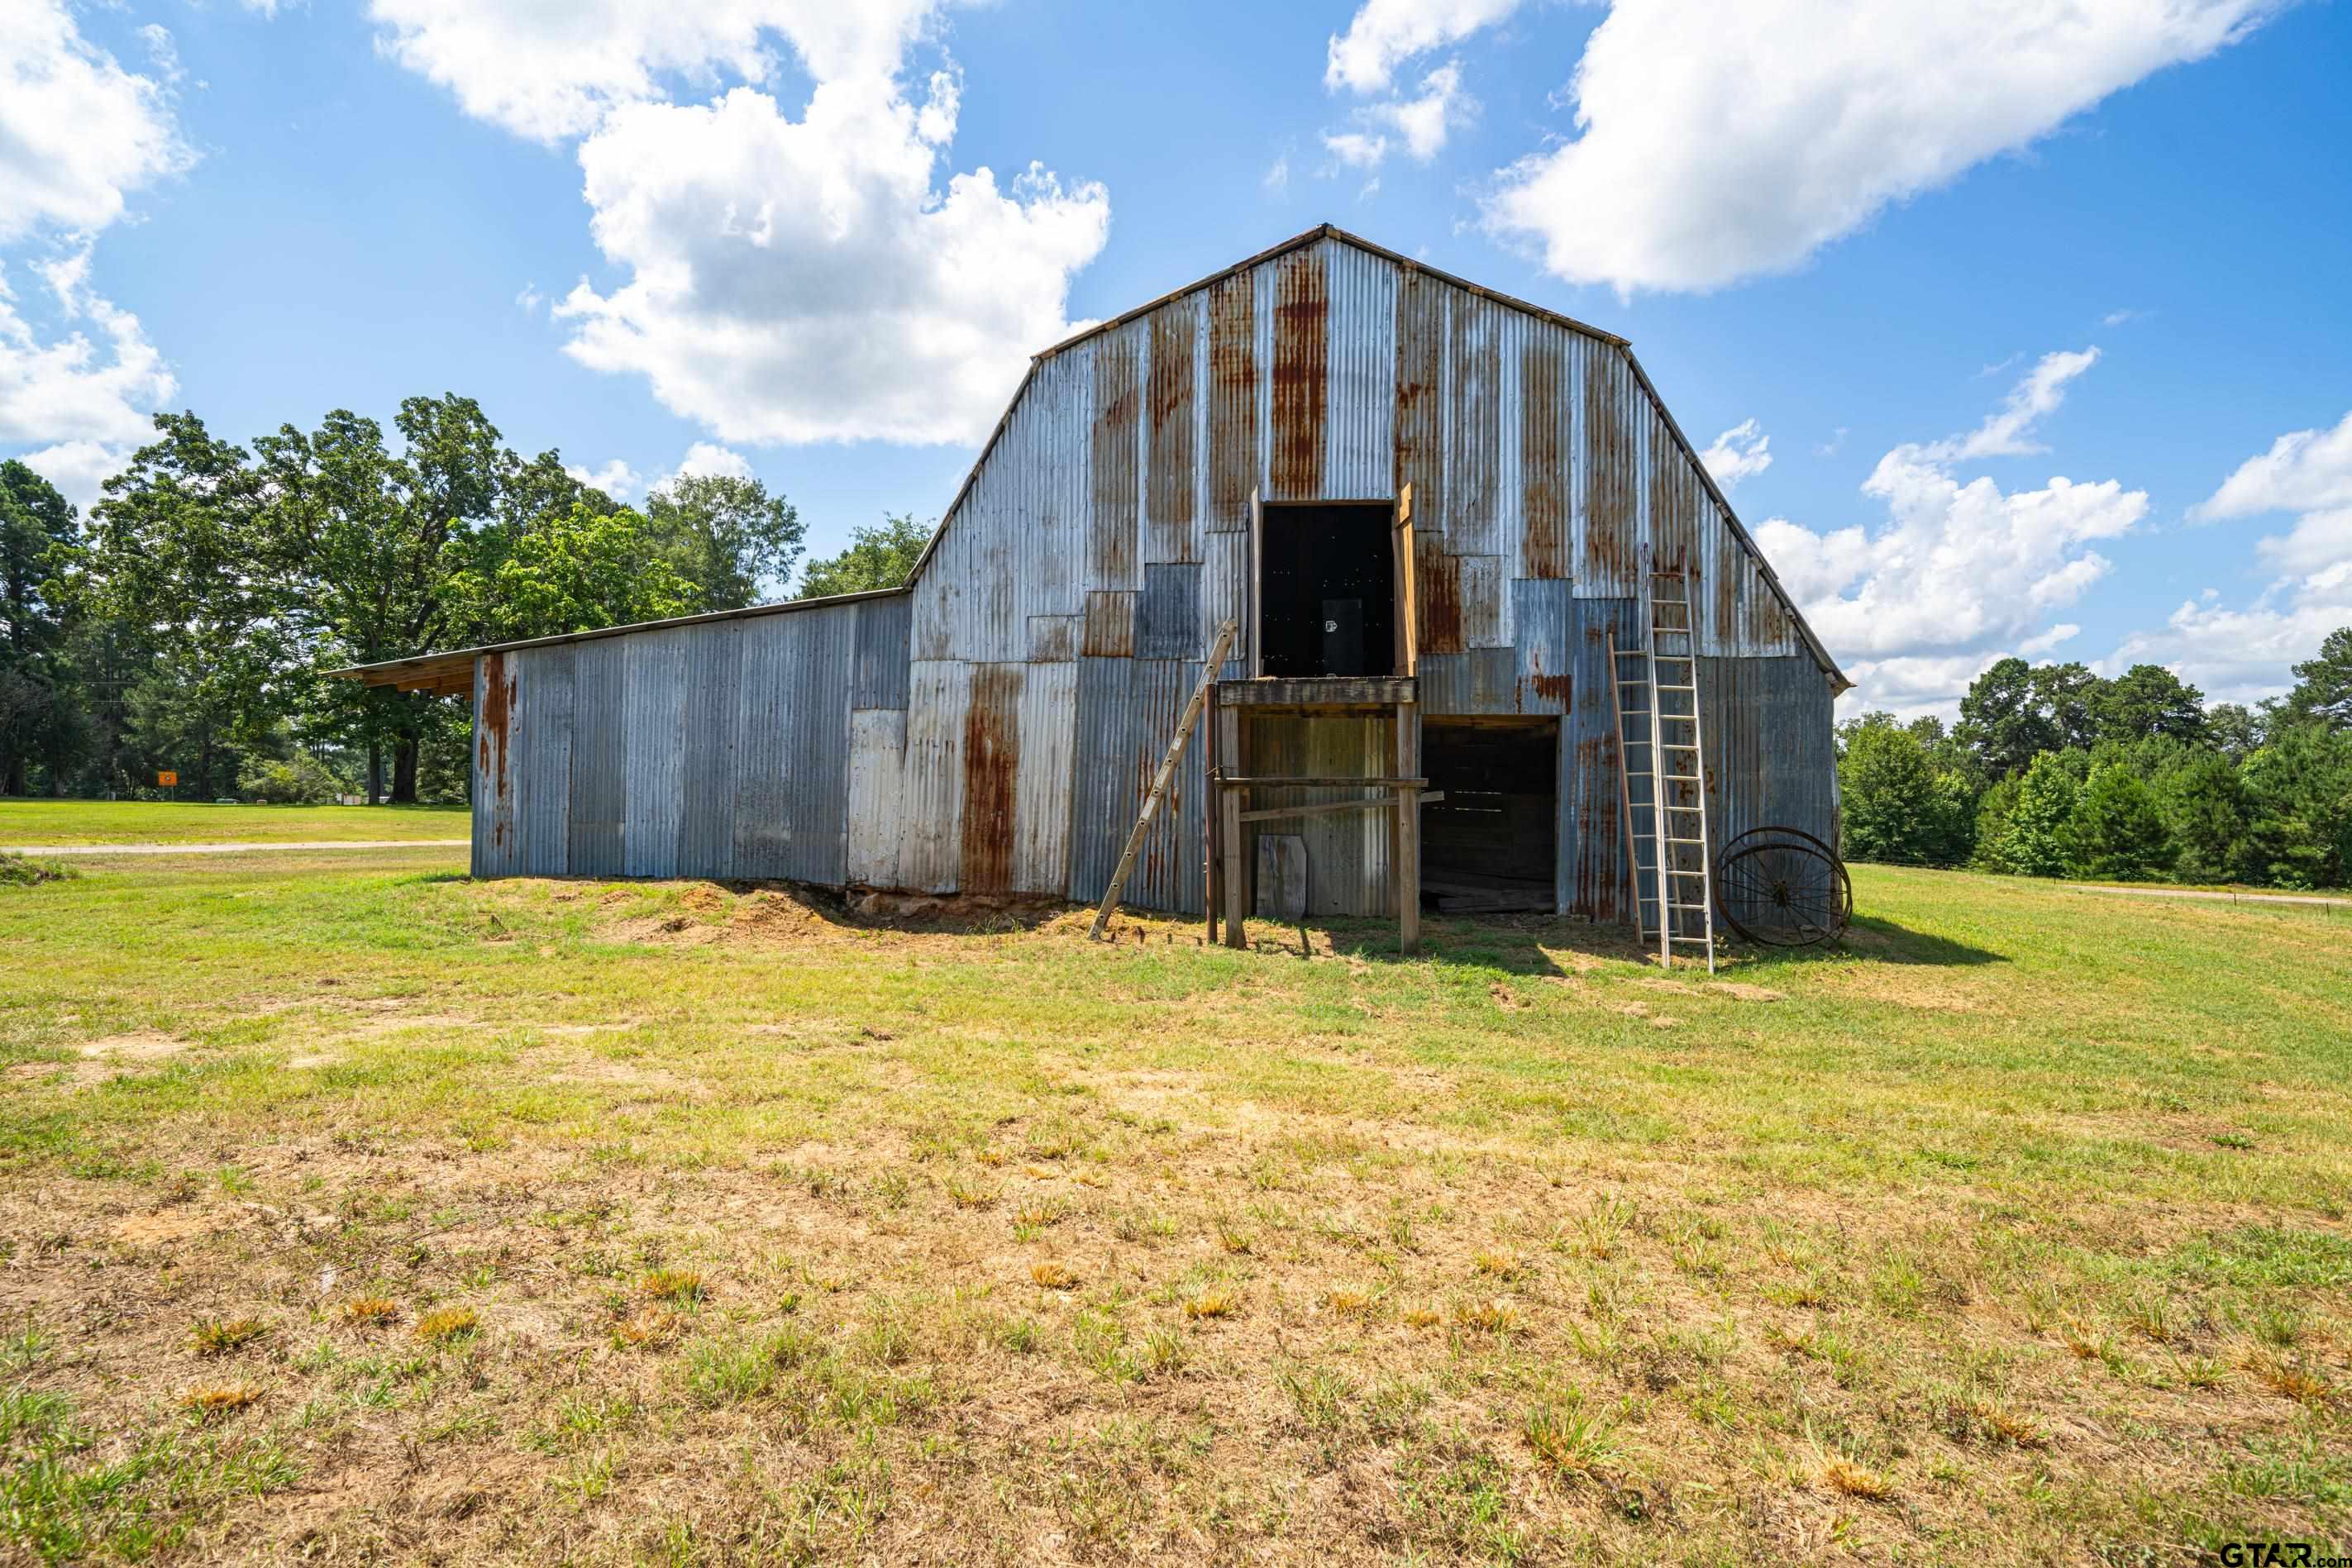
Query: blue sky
[[2038, 309]]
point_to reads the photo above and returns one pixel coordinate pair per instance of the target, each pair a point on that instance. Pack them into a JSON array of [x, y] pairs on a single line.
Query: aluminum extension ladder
[[1656, 692]]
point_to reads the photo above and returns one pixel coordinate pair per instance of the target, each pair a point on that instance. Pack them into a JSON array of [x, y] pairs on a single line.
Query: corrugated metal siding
[[1168, 616], [542, 766], [996, 727], [599, 779], [884, 629]]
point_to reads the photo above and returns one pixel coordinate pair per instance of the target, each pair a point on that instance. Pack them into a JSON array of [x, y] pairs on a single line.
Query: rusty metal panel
[[1167, 615], [1110, 625], [992, 768], [1105, 797], [1055, 639], [1481, 681], [884, 627], [1673, 498], [599, 681], [1041, 815], [931, 848], [1360, 456], [878, 745], [1484, 587], [1474, 520], [655, 725], [1172, 400], [1299, 377], [706, 806], [1544, 446], [1224, 596], [1437, 590], [1423, 311], [1112, 525], [1543, 617], [1234, 462], [496, 849], [1592, 874], [1609, 554]]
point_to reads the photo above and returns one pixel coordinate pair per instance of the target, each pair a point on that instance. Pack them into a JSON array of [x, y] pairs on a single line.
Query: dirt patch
[[143, 1045], [1740, 990], [164, 1228]]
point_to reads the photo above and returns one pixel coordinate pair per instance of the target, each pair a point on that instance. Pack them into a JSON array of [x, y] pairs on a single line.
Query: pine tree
[[2116, 831]]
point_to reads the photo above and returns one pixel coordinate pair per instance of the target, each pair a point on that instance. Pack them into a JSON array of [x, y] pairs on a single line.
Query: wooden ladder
[[1662, 776], [1225, 635]]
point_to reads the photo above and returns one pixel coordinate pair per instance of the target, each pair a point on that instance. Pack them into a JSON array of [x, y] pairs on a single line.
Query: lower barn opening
[[1326, 589], [1490, 846]]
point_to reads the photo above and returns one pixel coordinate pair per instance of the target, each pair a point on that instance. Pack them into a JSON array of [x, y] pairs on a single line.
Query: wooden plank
[[1257, 583], [1235, 885], [1326, 808], [1406, 868], [1408, 649], [1320, 691], [1282, 876], [1316, 782], [1212, 880]]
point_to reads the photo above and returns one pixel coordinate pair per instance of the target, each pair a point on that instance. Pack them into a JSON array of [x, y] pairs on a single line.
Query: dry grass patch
[[1847, 1479], [211, 1403], [444, 1325], [370, 1312], [676, 1286], [220, 1336], [1212, 1304]]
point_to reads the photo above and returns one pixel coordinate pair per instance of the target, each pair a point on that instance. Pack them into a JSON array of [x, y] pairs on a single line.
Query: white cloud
[[1796, 123], [706, 459], [77, 132], [615, 478], [529, 299], [1277, 178], [1959, 571], [2006, 432], [1741, 453], [2243, 652], [2305, 471], [1384, 34], [1421, 124], [2035, 646], [1356, 148], [785, 280], [83, 392]]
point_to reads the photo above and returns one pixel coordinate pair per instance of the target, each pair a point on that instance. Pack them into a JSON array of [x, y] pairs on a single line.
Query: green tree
[[2001, 723], [579, 573], [2323, 686], [180, 552], [39, 714], [2300, 787], [882, 557], [1886, 795], [2037, 835], [724, 536], [2116, 829], [2206, 813], [2070, 696], [1995, 807], [2233, 729], [2146, 701]]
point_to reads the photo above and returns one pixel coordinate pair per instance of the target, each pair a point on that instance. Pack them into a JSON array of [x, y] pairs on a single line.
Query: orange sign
[[166, 780]]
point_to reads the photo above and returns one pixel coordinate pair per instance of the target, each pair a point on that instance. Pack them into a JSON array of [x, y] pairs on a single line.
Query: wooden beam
[[1233, 876], [1327, 808], [1302, 781], [1407, 839], [1212, 880]]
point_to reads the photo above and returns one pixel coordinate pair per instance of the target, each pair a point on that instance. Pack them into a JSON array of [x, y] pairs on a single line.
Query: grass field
[[53, 823], [352, 1209]]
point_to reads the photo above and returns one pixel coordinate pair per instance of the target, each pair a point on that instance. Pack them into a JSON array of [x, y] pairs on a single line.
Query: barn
[[1448, 528]]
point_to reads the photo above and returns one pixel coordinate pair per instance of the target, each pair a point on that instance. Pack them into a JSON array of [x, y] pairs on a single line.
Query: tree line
[[2052, 771], [187, 624]]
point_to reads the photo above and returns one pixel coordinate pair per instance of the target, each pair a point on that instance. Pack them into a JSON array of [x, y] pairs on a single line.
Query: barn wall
[[996, 727]]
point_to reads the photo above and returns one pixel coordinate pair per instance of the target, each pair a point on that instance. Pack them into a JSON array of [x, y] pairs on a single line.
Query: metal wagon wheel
[[1782, 887]]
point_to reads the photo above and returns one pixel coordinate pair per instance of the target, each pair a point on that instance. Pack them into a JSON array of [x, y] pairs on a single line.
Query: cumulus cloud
[[82, 392], [1421, 123], [1797, 122], [784, 279], [77, 132], [1959, 570], [615, 478], [1385, 34], [1741, 453], [706, 459], [2243, 652]]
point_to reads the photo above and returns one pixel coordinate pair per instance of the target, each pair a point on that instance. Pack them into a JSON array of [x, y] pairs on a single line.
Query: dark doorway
[[1326, 589], [1491, 845]]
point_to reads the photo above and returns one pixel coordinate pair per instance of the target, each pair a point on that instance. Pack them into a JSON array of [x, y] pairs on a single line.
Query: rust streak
[[1420, 417], [1544, 466], [1437, 590], [1172, 402], [1610, 554], [992, 754], [1111, 540], [1233, 403], [1302, 340]]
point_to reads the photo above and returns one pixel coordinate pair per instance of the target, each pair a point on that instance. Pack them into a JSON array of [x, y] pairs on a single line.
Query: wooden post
[[1406, 872], [1211, 816], [1234, 875]]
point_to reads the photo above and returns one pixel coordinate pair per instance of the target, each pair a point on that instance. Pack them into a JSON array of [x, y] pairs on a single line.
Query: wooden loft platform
[[1320, 693]]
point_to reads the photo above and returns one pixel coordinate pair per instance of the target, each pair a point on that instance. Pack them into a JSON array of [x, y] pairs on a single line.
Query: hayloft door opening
[[1327, 598], [1490, 846]]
